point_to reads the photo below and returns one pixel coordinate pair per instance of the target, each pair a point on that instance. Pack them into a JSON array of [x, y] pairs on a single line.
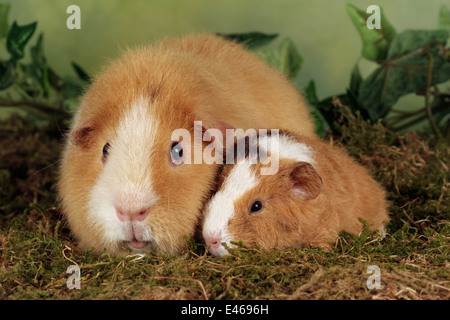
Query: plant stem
[[36, 105], [427, 97], [408, 113], [422, 117], [410, 123]]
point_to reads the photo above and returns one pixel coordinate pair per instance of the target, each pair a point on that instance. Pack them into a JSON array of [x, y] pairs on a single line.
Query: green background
[[320, 29]]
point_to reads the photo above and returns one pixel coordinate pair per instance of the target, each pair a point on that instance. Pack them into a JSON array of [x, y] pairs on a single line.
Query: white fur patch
[[125, 180], [220, 209], [286, 147]]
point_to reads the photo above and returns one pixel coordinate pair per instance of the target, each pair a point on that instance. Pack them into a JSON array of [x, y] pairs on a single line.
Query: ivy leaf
[[285, 58], [442, 114], [37, 52], [291, 61], [18, 36], [375, 41], [411, 40], [4, 11], [7, 74], [444, 18], [320, 124], [355, 80], [38, 67], [310, 93], [405, 70], [252, 39], [81, 73]]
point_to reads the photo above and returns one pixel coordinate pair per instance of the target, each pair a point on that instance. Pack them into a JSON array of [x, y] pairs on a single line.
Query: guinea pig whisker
[[45, 168]]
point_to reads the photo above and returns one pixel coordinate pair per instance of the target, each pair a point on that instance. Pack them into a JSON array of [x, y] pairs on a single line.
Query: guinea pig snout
[[132, 206], [213, 242], [132, 214]]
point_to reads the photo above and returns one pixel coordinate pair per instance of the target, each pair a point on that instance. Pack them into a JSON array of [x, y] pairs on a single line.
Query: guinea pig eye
[[106, 150], [256, 206], [176, 153]]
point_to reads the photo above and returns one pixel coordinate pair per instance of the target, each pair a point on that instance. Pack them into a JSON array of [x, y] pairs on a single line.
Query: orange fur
[[200, 77]]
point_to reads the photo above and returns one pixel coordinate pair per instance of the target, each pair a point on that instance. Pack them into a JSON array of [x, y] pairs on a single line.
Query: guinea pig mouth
[[138, 245]]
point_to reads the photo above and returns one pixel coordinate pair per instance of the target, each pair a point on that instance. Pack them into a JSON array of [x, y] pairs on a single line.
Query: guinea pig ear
[[82, 136], [306, 181], [208, 132]]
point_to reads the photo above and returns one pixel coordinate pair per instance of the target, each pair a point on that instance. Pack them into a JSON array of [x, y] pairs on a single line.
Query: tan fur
[[200, 77], [287, 220]]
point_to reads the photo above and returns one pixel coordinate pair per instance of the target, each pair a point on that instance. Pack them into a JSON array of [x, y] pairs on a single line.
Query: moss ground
[[36, 248]]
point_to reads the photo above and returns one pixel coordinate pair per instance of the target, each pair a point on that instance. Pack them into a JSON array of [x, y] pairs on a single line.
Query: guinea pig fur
[[118, 186], [317, 192]]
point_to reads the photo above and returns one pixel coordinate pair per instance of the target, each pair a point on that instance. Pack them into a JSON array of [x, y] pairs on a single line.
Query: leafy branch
[[34, 86], [412, 61], [285, 57], [44, 108]]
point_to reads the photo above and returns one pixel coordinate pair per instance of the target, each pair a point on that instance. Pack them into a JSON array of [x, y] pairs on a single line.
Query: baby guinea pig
[[317, 192], [125, 182]]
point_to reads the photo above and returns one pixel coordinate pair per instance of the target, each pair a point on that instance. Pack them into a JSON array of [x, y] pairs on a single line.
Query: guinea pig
[[125, 183], [317, 191]]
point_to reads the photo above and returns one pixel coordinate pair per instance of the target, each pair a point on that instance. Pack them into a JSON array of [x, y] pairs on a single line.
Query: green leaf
[[285, 58], [375, 41], [81, 73], [4, 25], [251, 39], [18, 36], [411, 40], [72, 88], [441, 113], [39, 68], [405, 71], [53, 79], [37, 52], [320, 124], [291, 61], [444, 18], [45, 75], [7, 74], [310, 92], [355, 80]]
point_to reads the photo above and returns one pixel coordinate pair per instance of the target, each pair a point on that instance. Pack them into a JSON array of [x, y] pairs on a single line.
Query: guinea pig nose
[[125, 214], [213, 242]]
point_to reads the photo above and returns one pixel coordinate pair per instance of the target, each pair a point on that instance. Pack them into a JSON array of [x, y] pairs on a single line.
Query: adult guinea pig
[[121, 185], [317, 191]]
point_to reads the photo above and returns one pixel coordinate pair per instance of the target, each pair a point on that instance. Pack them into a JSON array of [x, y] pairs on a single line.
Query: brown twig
[[427, 96], [202, 287], [416, 118], [45, 108]]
